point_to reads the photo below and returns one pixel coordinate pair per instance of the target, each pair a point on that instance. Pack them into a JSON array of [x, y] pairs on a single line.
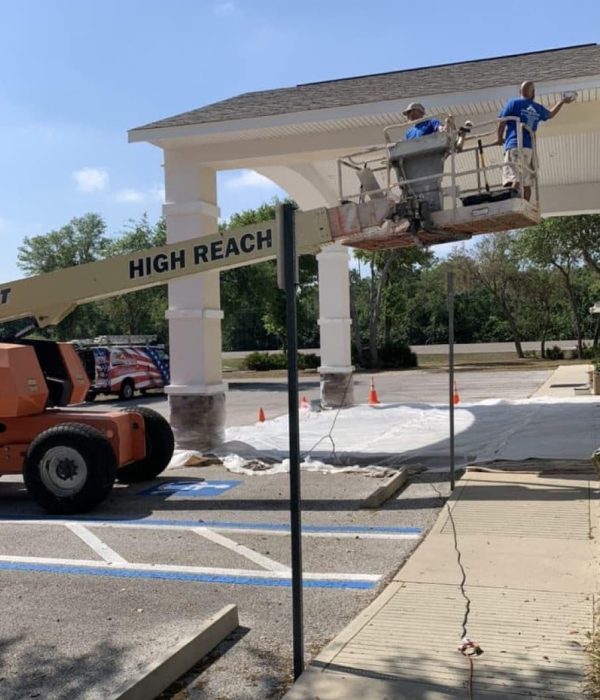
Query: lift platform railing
[[481, 143], [374, 166]]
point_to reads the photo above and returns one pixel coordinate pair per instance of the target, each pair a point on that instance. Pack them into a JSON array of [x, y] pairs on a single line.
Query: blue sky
[[75, 75]]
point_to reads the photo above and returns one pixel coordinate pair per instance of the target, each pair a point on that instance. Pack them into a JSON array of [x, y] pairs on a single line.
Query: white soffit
[[480, 103]]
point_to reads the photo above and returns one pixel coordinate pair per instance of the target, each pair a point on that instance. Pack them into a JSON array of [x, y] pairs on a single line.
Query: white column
[[197, 392], [334, 321]]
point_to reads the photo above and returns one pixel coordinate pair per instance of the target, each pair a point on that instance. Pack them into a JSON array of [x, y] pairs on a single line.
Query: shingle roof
[[554, 64]]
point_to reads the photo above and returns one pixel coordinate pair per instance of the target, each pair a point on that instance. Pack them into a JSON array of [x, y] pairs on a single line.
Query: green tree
[[141, 312], [542, 305], [82, 240], [387, 268], [493, 264], [359, 293], [553, 244], [427, 307], [254, 307], [584, 232]]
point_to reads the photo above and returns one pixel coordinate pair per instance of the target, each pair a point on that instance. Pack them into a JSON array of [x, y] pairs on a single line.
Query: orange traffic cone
[[261, 415], [304, 404], [373, 399], [455, 395]]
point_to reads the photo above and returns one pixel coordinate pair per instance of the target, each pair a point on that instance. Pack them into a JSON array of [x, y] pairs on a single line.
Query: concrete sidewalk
[[528, 548], [566, 380]]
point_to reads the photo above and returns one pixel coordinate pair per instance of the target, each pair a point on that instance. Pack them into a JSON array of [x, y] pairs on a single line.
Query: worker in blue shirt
[[415, 111], [529, 113]]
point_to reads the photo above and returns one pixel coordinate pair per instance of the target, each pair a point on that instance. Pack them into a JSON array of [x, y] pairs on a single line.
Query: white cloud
[[224, 9], [157, 193], [129, 195], [91, 179], [250, 179]]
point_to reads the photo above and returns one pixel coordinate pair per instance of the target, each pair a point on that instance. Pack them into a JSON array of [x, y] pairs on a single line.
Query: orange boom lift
[[401, 193]]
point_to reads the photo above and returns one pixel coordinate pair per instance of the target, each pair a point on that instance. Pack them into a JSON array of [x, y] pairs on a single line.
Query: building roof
[[554, 64]]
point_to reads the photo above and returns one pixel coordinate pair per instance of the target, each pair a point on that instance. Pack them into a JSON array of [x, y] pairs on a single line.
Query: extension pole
[[289, 265], [451, 371]]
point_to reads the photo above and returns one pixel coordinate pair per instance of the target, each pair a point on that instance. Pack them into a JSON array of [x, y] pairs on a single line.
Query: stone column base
[[198, 420], [337, 389]]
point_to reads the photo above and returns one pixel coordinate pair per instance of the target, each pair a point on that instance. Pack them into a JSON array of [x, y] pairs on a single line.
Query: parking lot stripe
[[365, 531], [84, 567], [101, 548], [256, 557]]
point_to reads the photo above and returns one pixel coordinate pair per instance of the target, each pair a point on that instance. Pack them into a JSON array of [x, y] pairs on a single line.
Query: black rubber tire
[[127, 390], [159, 448], [95, 454]]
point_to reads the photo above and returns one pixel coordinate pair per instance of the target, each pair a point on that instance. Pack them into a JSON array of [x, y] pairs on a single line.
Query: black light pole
[[451, 371], [287, 241]]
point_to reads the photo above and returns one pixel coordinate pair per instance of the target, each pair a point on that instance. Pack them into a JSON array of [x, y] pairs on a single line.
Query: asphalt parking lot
[[246, 396], [93, 598]]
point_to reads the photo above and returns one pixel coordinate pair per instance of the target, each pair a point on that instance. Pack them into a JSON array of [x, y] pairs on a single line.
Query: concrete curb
[[386, 490], [158, 675]]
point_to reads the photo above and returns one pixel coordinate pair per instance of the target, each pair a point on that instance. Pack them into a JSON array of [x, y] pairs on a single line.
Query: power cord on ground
[[329, 435], [468, 648]]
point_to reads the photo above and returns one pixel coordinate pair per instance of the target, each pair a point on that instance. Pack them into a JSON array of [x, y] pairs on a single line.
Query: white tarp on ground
[[395, 434]]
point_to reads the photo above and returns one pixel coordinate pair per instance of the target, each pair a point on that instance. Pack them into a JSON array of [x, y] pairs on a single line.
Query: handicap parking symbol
[[190, 489]]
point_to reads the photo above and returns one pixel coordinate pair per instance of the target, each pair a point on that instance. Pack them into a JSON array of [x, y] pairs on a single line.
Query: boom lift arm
[[51, 297], [69, 456]]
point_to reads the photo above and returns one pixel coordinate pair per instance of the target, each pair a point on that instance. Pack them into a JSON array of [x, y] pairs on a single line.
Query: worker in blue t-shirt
[[530, 114], [414, 112]]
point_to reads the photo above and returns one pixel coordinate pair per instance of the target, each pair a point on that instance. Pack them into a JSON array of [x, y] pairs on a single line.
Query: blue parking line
[[239, 580], [274, 527]]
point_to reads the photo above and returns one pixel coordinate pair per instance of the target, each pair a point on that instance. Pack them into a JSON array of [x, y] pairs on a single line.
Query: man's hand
[[566, 99]]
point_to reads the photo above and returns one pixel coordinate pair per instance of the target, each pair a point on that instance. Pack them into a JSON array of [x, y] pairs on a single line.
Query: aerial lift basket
[[426, 191]]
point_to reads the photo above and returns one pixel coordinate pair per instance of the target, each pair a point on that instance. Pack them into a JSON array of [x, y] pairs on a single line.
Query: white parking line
[[362, 534], [101, 548], [176, 568], [256, 557]]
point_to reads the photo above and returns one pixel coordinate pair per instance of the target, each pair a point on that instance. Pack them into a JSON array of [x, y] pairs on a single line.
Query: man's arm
[[500, 132], [506, 111], [556, 109]]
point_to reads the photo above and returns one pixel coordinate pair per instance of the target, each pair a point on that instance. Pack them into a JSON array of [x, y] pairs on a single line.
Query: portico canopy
[[294, 135]]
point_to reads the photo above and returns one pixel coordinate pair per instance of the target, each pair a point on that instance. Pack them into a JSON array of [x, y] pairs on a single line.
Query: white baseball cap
[[414, 105]]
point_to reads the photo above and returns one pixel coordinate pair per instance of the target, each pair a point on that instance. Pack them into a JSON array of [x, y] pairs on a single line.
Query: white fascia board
[[431, 102], [567, 199]]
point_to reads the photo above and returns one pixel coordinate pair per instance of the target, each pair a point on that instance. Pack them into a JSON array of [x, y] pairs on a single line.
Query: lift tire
[[69, 468], [127, 390], [159, 448]]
